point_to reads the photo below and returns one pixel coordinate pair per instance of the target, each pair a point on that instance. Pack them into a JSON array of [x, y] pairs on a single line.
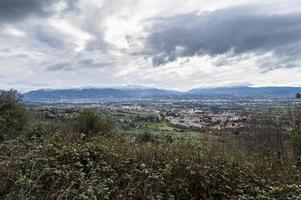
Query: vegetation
[[43, 162], [63, 166], [89, 122], [14, 117]]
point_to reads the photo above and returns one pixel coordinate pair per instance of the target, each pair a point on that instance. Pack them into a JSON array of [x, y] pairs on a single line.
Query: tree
[[298, 95], [14, 117], [294, 118], [267, 132], [89, 122]]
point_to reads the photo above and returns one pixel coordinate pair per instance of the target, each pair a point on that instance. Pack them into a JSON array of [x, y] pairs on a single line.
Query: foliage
[[61, 166], [296, 138], [36, 131], [145, 137], [89, 122], [14, 117]]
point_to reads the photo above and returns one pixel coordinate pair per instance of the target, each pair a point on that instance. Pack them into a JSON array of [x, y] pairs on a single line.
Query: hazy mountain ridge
[[53, 95], [247, 90], [93, 93]]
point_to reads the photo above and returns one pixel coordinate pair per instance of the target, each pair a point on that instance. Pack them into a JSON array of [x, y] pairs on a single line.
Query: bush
[[90, 123], [61, 167], [14, 117], [145, 137], [37, 131]]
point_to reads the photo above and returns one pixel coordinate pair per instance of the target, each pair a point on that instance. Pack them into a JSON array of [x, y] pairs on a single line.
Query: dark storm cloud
[[13, 10], [240, 30]]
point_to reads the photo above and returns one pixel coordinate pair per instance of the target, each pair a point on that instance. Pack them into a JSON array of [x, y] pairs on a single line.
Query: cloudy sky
[[174, 44]]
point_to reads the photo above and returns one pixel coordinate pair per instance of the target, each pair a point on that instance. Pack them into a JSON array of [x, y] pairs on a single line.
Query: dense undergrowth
[[64, 166]]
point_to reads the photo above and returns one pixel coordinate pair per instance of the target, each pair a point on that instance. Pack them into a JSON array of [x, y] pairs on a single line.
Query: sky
[[172, 44]]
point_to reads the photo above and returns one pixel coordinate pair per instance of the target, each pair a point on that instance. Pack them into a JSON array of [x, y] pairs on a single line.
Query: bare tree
[[267, 132], [294, 118]]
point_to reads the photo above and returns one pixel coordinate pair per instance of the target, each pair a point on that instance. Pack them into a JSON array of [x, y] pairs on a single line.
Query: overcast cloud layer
[[173, 44]]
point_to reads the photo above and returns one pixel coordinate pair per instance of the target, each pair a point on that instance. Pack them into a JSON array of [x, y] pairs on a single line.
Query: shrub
[[37, 131], [60, 167], [145, 137], [14, 117], [89, 123]]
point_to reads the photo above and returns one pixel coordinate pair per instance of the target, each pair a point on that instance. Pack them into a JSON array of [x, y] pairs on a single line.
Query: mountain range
[[278, 91], [93, 94]]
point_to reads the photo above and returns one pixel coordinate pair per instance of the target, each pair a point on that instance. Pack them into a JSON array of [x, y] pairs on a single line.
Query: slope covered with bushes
[[60, 166]]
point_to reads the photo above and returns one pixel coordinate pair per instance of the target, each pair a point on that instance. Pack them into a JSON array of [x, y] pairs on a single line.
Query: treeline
[[87, 159], [16, 120]]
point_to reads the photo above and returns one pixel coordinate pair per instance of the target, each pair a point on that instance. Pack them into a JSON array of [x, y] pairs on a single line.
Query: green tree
[[89, 122], [14, 117]]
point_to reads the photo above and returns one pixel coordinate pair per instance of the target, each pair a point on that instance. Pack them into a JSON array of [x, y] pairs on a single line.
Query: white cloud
[[79, 37], [14, 31]]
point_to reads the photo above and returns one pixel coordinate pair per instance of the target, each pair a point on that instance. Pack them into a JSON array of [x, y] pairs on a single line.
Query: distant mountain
[[93, 94], [136, 92], [278, 91]]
